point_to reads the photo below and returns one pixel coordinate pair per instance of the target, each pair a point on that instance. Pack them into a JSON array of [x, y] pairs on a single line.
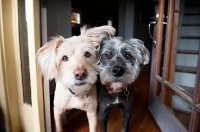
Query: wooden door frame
[[158, 105], [10, 69], [195, 116], [162, 115], [8, 95]]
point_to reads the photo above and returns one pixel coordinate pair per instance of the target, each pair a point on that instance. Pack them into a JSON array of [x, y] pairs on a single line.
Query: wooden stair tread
[[182, 116], [188, 51], [191, 14], [188, 90], [186, 69], [190, 37], [180, 111], [193, 4], [191, 24], [198, 105]]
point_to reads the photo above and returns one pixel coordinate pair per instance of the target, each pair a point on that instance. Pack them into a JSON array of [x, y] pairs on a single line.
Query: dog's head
[[120, 61], [72, 61]]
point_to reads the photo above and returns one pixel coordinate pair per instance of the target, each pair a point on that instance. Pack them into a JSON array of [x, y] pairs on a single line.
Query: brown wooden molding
[[186, 69], [190, 37], [188, 51]]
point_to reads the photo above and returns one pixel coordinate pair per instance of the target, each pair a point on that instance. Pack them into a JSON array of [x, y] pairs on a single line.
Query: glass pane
[[76, 18], [184, 58], [187, 49], [24, 54], [181, 110]]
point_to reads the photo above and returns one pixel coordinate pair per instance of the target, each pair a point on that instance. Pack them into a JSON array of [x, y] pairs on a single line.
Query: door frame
[[158, 110], [18, 115], [163, 116]]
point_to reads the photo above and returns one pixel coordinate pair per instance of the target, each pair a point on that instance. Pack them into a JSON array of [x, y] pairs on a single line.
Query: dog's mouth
[[80, 82], [115, 87]]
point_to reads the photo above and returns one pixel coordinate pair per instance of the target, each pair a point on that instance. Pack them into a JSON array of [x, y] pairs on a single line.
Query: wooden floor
[[141, 120]]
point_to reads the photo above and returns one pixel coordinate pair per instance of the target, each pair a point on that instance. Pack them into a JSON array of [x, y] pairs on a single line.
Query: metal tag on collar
[[126, 93], [88, 93]]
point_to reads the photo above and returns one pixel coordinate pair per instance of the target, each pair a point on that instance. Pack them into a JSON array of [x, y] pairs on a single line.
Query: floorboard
[[141, 120]]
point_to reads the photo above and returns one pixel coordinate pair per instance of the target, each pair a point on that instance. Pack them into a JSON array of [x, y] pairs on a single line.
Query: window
[[110, 23], [76, 18]]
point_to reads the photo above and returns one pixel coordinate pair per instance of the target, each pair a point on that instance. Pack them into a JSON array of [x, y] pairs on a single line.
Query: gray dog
[[119, 64]]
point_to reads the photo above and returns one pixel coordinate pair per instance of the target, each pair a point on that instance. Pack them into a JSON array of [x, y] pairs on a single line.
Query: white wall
[[58, 22], [126, 19], [59, 18], [130, 23]]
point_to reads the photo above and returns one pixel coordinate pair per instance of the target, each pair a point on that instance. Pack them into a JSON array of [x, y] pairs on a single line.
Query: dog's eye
[[65, 58], [87, 54], [128, 56], [108, 55]]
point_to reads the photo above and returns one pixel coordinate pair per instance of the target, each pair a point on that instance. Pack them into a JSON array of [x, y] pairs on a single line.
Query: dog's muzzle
[[80, 74], [80, 82], [118, 71], [111, 90]]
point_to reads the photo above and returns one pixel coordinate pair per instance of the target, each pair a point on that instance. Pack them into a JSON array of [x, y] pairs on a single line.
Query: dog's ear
[[141, 50], [97, 33], [46, 57]]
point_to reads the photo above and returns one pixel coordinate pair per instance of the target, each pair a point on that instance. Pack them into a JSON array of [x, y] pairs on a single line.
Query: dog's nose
[[80, 73], [118, 71]]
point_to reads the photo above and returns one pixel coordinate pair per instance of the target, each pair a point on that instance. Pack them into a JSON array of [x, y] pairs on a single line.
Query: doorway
[[174, 85], [94, 13]]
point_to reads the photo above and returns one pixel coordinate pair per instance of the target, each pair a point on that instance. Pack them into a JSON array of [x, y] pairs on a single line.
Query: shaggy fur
[[72, 62], [119, 64]]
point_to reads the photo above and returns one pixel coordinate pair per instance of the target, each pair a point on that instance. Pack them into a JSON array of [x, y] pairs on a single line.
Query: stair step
[[188, 51], [198, 105], [186, 69], [190, 24], [190, 37], [191, 20], [193, 3], [188, 90], [191, 14]]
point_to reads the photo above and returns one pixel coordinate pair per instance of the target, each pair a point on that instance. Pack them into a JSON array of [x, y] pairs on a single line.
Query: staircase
[[187, 53], [188, 46]]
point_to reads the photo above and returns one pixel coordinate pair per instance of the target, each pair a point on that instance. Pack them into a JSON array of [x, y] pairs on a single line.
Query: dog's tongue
[[109, 88]]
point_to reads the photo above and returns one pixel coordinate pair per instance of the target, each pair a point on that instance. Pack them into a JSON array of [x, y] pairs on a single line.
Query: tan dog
[[72, 62]]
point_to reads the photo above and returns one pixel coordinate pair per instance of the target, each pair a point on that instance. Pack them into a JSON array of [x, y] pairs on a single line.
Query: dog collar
[[72, 92], [126, 92], [87, 93]]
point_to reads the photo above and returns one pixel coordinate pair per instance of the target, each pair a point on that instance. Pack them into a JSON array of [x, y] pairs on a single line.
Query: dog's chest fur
[[64, 99], [109, 100]]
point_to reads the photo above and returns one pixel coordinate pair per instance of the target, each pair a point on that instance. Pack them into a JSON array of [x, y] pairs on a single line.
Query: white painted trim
[[8, 64], [4, 120], [19, 116], [35, 75]]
